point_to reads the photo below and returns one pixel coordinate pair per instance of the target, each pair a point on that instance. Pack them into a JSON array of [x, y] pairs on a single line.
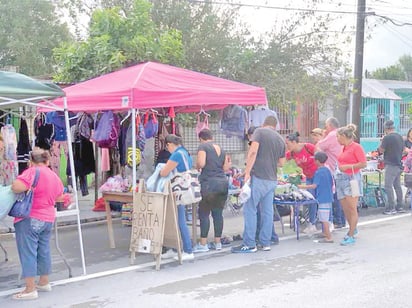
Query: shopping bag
[[7, 199], [186, 187], [22, 206]]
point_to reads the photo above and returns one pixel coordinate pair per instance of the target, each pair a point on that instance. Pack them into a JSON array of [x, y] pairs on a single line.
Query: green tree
[[116, 40], [29, 30], [406, 63], [300, 59], [402, 70], [292, 61], [393, 72]]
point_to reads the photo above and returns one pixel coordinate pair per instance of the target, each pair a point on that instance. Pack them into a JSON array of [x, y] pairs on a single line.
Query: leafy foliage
[[292, 62], [116, 40], [393, 72], [29, 30], [399, 71], [406, 64]]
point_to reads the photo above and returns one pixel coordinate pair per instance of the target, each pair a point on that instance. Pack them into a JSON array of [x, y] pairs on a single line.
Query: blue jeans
[[313, 208], [184, 230], [262, 191], [338, 214], [274, 237], [33, 246]]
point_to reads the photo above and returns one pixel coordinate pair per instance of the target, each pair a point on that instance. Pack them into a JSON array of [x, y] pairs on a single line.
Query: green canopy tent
[[17, 90]]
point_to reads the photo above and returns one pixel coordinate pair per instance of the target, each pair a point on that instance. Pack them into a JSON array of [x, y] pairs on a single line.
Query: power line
[[274, 7], [390, 5], [396, 23], [400, 36]]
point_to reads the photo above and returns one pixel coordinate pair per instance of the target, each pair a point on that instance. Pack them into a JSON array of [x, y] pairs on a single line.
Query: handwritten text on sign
[[148, 214]]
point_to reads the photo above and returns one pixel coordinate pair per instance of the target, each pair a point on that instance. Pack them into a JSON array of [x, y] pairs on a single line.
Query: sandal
[[26, 295], [323, 241]]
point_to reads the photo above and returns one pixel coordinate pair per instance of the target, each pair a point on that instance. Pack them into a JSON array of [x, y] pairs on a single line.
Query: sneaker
[[389, 212], [355, 233], [200, 248], [348, 240], [218, 246], [44, 288], [263, 248], [243, 249], [310, 229], [400, 210], [185, 257], [169, 254]]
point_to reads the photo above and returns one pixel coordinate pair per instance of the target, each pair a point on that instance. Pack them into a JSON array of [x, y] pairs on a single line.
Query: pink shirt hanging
[[200, 125]]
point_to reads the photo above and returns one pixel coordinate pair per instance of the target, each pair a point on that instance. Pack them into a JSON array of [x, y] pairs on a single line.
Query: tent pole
[[74, 182], [134, 149]]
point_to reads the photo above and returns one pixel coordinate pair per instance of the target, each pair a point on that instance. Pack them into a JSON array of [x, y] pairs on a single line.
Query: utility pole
[[357, 87]]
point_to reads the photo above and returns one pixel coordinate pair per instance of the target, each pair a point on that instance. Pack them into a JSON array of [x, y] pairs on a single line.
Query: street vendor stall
[[154, 85], [17, 91]]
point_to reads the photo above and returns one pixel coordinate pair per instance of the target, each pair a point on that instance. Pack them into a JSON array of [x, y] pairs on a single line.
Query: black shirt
[[393, 145]]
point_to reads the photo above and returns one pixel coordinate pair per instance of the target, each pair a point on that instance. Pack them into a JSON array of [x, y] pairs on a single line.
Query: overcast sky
[[384, 42]]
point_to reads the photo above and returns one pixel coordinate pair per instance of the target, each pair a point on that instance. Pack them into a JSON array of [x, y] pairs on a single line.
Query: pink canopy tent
[[155, 85]]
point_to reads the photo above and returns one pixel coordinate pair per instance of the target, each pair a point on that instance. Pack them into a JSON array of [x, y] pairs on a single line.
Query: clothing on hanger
[[258, 115]]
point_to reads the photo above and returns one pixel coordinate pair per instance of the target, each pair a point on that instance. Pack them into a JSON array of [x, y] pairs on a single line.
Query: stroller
[[407, 181]]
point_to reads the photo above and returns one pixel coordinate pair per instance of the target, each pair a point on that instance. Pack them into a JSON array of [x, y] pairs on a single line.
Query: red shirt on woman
[[351, 154], [304, 159]]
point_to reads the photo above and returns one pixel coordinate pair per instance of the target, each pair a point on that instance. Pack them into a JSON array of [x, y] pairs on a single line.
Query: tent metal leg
[[6, 258], [56, 239]]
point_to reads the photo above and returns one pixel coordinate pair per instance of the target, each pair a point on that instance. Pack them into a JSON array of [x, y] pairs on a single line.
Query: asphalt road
[[375, 272]]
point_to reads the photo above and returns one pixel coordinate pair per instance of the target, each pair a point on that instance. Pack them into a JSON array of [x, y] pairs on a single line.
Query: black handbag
[[22, 207]]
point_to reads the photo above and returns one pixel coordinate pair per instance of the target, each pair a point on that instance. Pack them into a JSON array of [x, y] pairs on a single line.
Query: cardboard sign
[[148, 222], [154, 223]]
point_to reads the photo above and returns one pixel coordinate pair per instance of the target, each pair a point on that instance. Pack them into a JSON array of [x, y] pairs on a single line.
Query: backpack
[[107, 129]]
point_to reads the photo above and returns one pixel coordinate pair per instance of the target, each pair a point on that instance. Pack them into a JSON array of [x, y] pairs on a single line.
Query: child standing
[[322, 184]]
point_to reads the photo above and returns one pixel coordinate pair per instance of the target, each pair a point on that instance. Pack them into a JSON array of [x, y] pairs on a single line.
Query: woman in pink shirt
[[33, 233]]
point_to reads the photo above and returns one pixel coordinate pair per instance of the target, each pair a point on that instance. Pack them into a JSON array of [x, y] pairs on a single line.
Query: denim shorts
[[33, 246], [343, 188]]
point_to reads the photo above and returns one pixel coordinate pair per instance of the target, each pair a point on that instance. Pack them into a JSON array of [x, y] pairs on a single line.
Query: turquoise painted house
[[383, 100]]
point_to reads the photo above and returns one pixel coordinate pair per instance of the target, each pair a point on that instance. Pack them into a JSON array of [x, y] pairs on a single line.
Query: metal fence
[[229, 144], [376, 111], [302, 118]]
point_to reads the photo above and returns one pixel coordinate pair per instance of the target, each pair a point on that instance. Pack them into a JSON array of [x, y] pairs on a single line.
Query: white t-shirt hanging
[[258, 116]]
